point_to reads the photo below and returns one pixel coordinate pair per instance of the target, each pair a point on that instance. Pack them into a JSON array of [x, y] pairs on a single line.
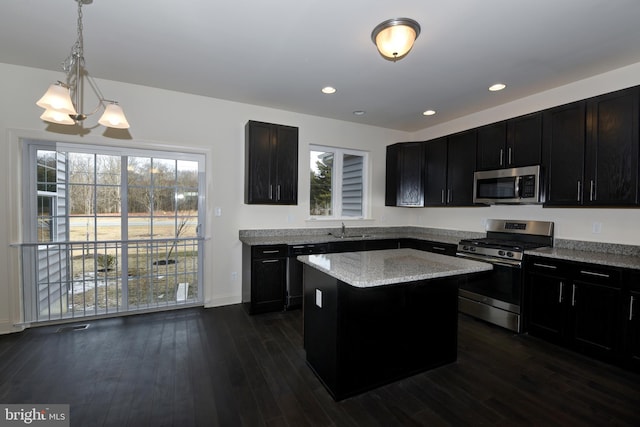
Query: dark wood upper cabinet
[[511, 143], [404, 184], [271, 164], [590, 151], [611, 155], [461, 164], [524, 141], [564, 130], [450, 163], [436, 172], [492, 140]]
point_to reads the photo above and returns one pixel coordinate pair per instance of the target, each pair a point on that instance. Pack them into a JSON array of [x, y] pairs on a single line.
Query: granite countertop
[[612, 259], [610, 254], [327, 235], [386, 267]]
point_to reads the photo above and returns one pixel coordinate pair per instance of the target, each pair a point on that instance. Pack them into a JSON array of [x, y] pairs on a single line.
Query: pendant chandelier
[[57, 102], [394, 37]]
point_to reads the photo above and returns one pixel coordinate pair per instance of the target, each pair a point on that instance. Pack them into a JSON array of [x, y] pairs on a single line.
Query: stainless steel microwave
[[508, 186]]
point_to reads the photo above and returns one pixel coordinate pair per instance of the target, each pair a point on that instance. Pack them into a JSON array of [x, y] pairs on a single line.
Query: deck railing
[[67, 280]]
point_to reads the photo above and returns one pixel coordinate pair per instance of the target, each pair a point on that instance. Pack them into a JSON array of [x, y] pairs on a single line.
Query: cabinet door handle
[[573, 296], [269, 261], [631, 308], [552, 267], [438, 248], [593, 273], [501, 156], [275, 251], [509, 155], [449, 195], [579, 191], [591, 192], [278, 192], [442, 196], [560, 292], [270, 192]]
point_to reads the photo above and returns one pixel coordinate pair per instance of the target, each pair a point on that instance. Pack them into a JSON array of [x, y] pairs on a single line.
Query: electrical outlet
[[234, 276], [597, 228], [217, 211]]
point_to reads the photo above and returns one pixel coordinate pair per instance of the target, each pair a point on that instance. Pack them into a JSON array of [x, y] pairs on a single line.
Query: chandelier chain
[[77, 50]]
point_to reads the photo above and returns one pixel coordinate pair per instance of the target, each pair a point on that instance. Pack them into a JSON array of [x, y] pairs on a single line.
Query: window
[[337, 182], [108, 232]]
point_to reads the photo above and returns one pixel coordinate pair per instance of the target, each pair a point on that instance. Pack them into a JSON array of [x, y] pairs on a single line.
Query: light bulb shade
[[57, 98], [57, 117], [394, 38], [113, 117]]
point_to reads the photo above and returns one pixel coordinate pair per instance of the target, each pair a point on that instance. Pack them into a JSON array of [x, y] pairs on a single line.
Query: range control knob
[[472, 249], [501, 253], [510, 254], [465, 248]]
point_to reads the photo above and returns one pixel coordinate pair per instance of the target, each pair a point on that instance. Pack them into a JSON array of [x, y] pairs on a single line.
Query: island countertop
[[386, 267]]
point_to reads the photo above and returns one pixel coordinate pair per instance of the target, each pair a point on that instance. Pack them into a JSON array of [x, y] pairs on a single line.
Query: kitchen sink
[[350, 236]]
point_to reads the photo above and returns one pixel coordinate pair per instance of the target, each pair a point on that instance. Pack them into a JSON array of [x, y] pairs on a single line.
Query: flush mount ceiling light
[[57, 102], [496, 87], [394, 37], [328, 90], [429, 113]]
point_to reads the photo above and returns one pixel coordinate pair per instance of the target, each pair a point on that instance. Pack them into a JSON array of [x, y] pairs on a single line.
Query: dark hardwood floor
[[221, 367]]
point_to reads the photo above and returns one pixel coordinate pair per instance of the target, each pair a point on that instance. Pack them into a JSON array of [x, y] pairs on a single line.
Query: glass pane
[[81, 168], [164, 201], [82, 228], [321, 169], [108, 169], [139, 227], [186, 226], [81, 199], [352, 185], [108, 200], [46, 171], [45, 219], [139, 171], [164, 172], [139, 200], [187, 200], [108, 228]]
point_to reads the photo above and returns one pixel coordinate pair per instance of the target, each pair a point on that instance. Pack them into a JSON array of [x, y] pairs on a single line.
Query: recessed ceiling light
[[359, 113], [429, 113], [496, 87], [328, 89]]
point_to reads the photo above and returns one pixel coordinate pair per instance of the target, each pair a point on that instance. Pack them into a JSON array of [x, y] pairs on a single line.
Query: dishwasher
[[294, 272]]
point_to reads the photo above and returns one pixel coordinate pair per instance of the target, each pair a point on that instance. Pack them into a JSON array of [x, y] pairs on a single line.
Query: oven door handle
[[491, 260]]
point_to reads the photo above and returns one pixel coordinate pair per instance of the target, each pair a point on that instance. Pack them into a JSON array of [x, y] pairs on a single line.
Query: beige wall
[[168, 120]]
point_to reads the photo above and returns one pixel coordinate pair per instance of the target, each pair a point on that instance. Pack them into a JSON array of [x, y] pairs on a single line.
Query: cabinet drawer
[[546, 266], [597, 274], [272, 251]]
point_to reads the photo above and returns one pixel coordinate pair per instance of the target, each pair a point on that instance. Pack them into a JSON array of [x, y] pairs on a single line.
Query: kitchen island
[[377, 316]]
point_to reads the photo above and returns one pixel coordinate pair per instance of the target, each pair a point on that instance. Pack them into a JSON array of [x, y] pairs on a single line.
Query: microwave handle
[[517, 187]]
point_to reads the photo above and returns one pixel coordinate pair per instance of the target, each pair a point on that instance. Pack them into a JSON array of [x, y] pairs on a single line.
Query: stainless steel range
[[497, 296]]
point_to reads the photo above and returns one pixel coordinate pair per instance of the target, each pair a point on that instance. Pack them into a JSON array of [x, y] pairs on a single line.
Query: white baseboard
[[222, 300]]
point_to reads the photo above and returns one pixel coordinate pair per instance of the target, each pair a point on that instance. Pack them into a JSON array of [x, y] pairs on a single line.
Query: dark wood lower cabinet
[[264, 278], [584, 307], [360, 338], [632, 320]]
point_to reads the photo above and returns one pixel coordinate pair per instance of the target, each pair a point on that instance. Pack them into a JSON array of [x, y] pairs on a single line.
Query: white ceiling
[[280, 53]]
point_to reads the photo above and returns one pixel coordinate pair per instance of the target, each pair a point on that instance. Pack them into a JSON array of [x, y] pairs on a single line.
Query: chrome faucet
[[344, 230]]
